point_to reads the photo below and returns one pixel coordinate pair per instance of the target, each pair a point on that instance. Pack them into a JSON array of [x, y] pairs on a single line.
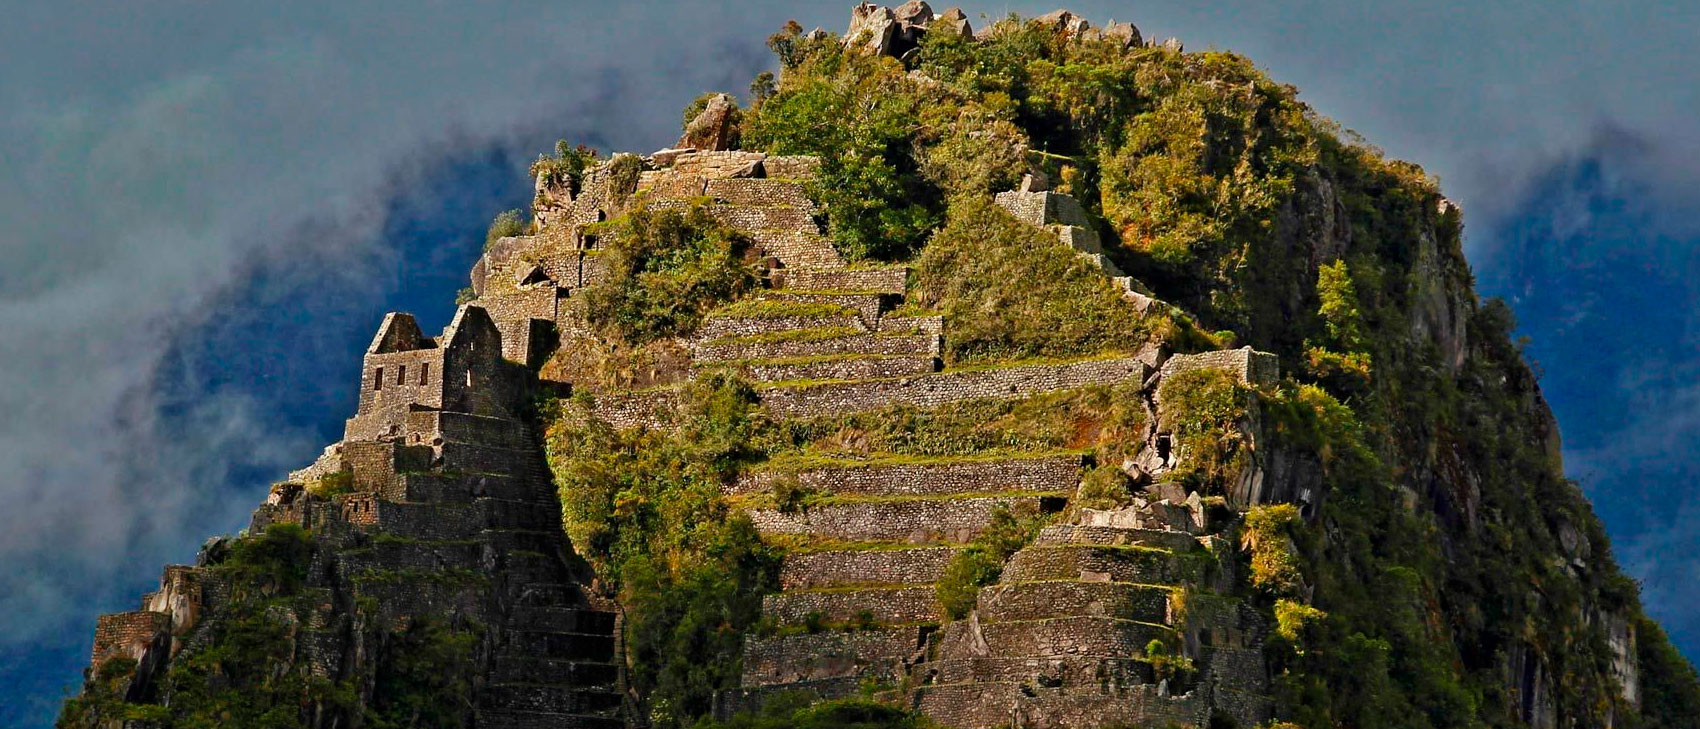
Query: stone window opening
[[424, 372], [378, 379], [401, 375], [469, 378]]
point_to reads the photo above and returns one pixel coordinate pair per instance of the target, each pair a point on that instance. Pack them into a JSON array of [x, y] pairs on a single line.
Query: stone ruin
[[439, 457]]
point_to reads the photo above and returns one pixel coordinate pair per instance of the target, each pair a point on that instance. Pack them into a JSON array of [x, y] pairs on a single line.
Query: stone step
[[549, 699], [562, 619], [869, 305], [1116, 536], [830, 367], [580, 674], [1142, 565], [818, 343], [722, 327], [1049, 472], [498, 719], [912, 325], [913, 520], [560, 646], [883, 605], [1066, 636], [783, 659], [841, 567], [1038, 600], [890, 279]]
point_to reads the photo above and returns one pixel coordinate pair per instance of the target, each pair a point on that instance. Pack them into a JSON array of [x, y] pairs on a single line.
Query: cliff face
[[1038, 376]]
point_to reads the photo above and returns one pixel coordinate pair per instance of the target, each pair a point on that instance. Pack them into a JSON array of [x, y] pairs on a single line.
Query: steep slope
[[1039, 376]]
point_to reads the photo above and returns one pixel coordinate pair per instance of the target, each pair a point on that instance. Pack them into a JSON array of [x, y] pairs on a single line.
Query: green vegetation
[[980, 563], [645, 509], [1205, 410], [566, 167], [507, 224], [1008, 290], [665, 271]]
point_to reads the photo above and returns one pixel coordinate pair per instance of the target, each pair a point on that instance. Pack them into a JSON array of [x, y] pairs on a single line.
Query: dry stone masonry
[[440, 474]]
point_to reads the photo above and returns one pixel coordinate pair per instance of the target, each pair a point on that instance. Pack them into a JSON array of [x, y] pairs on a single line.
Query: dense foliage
[[1007, 290], [664, 271], [644, 507], [1433, 562]]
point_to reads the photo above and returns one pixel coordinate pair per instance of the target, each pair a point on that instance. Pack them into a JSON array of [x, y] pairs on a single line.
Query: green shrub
[[1268, 536], [981, 562], [1010, 290], [507, 224], [664, 271], [645, 509], [1204, 409], [566, 167], [858, 113]]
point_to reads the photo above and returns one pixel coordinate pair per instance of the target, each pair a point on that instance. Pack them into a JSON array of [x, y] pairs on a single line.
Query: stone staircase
[[1061, 639]]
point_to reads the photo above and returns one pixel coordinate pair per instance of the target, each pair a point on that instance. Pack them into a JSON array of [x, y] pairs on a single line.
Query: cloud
[[158, 156]]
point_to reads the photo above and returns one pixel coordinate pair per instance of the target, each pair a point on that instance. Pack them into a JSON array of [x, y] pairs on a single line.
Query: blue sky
[[206, 208]]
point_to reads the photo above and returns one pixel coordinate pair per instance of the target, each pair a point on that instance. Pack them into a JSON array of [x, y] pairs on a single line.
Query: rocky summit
[[1007, 373]]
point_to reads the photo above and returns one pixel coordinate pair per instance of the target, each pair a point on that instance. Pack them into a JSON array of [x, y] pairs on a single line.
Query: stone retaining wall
[[988, 705], [882, 566], [1101, 564], [1039, 600], [1069, 636], [1114, 536], [764, 192], [1044, 473], [868, 344], [812, 657], [883, 605], [716, 327], [892, 280], [1249, 366], [916, 521], [857, 368], [947, 387], [1110, 673]]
